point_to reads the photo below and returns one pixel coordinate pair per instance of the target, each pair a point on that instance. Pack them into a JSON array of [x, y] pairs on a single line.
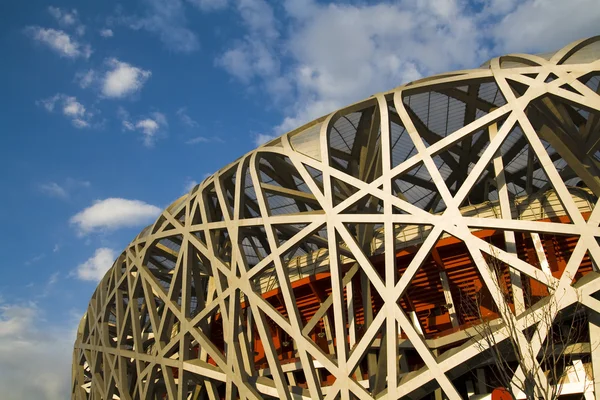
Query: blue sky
[[110, 111]]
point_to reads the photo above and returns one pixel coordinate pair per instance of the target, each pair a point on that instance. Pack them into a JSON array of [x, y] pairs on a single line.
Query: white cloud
[[125, 119], [128, 126], [189, 184], [15, 319], [122, 113], [254, 56], [539, 26], [49, 103], [73, 183], [237, 62], [53, 189], [60, 42], [85, 79], [248, 59], [68, 19], [209, 5], [148, 126], [261, 138], [151, 126], [160, 118], [197, 139], [65, 18], [258, 16], [313, 58], [62, 191], [106, 33], [344, 53], [123, 79], [186, 119], [23, 329], [53, 279], [96, 266], [71, 108], [44, 290], [79, 123], [35, 259], [165, 18], [114, 213]]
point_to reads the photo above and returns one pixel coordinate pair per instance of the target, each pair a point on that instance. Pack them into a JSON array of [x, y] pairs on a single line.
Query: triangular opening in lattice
[[228, 183], [212, 204], [416, 188], [316, 176], [249, 204], [565, 128], [551, 77], [221, 245], [512, 182], [341, 190], [401, 146], [355, 144], [518, 88], [368, 204], [430, 297], [284, 188], [437, 114]]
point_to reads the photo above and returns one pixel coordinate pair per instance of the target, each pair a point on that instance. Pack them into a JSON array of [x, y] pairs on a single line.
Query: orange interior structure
[[425, 296]]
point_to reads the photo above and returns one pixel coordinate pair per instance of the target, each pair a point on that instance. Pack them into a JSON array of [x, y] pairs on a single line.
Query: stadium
[[437, 240]]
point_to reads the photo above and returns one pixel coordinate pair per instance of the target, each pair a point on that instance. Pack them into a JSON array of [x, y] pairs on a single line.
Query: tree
[[532, 351]]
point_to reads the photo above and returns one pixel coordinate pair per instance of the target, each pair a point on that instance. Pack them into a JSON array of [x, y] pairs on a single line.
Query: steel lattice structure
[[330, 261]]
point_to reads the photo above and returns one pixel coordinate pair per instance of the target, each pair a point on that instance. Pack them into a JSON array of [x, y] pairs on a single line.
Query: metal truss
[[304, 268]]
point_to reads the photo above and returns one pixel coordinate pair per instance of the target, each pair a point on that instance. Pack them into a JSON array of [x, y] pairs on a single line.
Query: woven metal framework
[[329, 262]]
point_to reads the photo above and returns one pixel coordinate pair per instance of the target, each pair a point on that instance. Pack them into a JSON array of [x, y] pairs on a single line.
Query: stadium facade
[[394, 248]]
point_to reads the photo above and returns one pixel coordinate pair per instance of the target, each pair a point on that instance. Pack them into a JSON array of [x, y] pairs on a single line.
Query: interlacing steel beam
[[340, 259]]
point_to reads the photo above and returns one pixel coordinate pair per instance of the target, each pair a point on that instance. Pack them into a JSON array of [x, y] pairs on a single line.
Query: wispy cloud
[[60, 42], [116, 79], [254, 55], [540, 26], [262, 138], [94, 268], [151, 126], [106, 33], [123, 79], [53, 189], [85, 79], [113, 213], [209, 5], [35, 259], [21, 356], [197, 139], [45, 289], [70, 107], [185, 119], [312, 57], [167, 19], [189, 184], [62, 191], [65, 18], [68, 19]]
